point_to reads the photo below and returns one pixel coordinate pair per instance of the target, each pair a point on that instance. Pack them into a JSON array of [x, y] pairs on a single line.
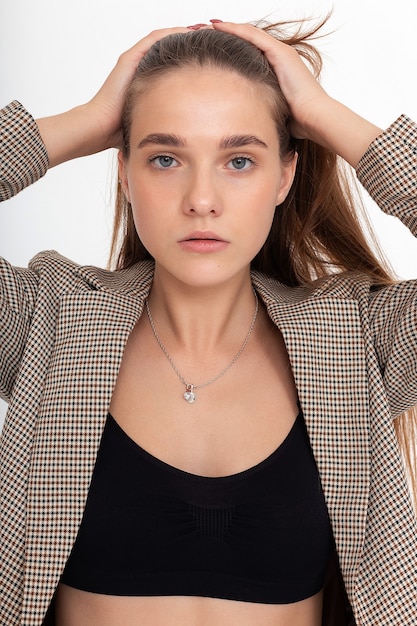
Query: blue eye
[[165, 161], [162, 161], [241, 163]]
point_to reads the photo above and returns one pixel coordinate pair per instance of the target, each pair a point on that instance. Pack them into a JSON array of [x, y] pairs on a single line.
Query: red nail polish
[[196, 26], [216, 21]]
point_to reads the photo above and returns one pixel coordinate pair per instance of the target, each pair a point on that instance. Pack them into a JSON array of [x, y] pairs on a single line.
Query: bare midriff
[[81, 608]]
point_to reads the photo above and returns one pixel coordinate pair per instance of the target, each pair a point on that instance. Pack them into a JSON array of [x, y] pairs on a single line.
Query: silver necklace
[[189, 394]]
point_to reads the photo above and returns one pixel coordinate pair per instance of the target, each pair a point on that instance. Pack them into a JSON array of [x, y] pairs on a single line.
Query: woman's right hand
[[95, 126]]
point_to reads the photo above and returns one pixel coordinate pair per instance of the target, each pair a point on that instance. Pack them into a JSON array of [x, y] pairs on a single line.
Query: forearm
[[70, 135], [95, 126], [314, 114], [342, 131]]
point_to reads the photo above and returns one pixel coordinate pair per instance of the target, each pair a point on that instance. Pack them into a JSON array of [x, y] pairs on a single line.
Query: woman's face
[[204, 174]]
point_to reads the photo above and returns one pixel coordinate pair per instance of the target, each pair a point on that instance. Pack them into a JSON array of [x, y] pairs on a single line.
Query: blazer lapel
[[92, 331], [324, 341]]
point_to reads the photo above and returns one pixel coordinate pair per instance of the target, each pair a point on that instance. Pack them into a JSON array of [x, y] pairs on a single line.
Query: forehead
[[201, 98], [204, 80]]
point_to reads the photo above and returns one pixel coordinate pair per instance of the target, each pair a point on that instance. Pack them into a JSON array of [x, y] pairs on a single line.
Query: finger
[[200, 27], [279, 54], [258, 37], [139, 49]]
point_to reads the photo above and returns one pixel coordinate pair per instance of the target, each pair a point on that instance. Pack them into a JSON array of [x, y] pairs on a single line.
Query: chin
[[203, 277], [220, 279]]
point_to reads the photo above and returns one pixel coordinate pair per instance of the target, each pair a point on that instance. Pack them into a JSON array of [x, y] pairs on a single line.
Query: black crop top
[[149, 529]]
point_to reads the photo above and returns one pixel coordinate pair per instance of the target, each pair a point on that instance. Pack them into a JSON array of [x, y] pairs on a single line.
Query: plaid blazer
[[354, 357]]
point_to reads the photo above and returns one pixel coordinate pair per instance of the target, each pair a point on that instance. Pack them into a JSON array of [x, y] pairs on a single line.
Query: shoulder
[[60, 272], [49, 261], [347, 285], [376, 302]]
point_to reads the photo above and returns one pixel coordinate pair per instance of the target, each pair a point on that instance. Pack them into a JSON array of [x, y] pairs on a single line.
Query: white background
[[54, 55]]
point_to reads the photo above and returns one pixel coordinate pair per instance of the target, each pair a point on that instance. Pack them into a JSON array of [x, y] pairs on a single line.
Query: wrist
[[72, 134], [341, 130]]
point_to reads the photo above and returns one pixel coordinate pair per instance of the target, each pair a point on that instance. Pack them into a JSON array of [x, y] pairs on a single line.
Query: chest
[[236, 421]]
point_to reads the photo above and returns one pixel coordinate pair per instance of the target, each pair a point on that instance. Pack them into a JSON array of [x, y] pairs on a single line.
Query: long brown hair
[[320, 228]]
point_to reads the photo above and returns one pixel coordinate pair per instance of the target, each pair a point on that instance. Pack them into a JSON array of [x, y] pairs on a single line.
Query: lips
[[203, 242], [203, 236]]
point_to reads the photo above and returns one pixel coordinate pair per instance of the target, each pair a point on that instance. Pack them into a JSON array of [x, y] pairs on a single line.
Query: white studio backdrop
[[56, 55]]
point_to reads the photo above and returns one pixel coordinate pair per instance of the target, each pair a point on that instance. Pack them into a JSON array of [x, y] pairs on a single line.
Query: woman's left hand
[[304, 94], [315, 115]]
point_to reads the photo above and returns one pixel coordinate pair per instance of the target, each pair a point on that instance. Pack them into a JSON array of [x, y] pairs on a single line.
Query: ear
[[122, 169], [287, 176]]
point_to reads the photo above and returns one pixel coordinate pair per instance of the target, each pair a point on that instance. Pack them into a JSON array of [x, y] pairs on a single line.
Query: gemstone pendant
[[189, 395]]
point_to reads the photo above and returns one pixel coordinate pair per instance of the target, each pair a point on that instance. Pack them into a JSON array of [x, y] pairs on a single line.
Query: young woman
[[193, 437]]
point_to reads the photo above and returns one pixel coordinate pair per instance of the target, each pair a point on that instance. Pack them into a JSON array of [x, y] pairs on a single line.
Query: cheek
[[143, 205], [150, 222], [144, 224], [266, 227], [149, 198], [257, 229], [141, 216]]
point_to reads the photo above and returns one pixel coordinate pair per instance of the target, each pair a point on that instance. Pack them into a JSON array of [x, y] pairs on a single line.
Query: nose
[[202, 195]]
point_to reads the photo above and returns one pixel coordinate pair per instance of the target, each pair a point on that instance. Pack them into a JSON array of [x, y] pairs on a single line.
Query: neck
[[202, 320]]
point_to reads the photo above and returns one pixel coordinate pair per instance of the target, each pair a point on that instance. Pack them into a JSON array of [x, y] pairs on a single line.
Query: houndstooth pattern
[[353, 353], [18, 170]]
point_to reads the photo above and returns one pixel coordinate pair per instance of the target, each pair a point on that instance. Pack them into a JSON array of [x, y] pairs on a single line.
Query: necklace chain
[[189, 394]]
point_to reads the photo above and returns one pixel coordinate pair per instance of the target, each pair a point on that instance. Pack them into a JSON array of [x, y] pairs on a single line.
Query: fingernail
[[216, 21], [196, 26]]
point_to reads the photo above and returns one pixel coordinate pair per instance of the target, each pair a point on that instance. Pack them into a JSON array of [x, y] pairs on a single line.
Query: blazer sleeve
[[23, 160], [388, 171], [23, 156], [18, 291]]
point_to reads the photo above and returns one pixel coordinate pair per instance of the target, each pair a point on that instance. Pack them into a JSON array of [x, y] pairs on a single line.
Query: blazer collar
[[134, 281], [137, 280]]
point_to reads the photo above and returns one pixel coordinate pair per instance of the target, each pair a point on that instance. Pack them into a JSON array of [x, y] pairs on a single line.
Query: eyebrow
[[161, 139], [238, 141], [234, 141]]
